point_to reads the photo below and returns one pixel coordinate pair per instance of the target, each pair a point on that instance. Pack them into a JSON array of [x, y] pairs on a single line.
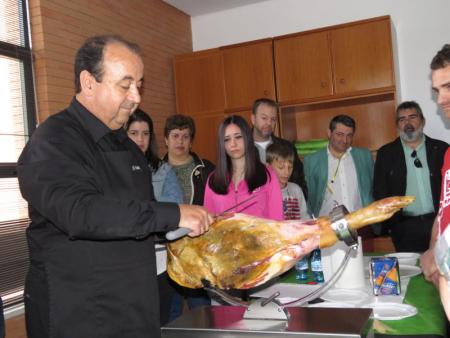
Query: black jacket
[[92, 258], [390, 171], [199, 177]]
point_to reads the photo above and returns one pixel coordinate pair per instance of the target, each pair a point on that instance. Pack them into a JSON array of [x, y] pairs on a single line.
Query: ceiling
[[200, 7]]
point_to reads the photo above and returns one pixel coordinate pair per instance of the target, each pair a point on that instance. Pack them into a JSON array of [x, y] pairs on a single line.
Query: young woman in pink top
[[240, 174]]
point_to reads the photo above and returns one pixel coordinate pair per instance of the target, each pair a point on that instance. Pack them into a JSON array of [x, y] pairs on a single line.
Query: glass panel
[[11, 22], [12, 115], [13, 246]]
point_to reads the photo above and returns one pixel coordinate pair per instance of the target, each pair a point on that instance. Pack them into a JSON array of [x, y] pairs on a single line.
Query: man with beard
[[264, 120], [411, 165]]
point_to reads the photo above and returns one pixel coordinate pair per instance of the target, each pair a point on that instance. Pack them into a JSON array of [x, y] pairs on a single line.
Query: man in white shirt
[[339, 173]]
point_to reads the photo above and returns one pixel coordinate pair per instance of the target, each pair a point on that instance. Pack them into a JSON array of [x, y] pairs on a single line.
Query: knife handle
[[178, 233]]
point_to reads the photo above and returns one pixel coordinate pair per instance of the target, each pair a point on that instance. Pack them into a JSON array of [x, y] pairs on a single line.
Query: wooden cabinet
[[362, 56], [199, 86], [347, 60], [303, 67], [314, 75], [205, 141], [248, 73], [374, 117]]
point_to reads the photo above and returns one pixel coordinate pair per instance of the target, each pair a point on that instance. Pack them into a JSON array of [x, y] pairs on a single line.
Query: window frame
[[24, 55]]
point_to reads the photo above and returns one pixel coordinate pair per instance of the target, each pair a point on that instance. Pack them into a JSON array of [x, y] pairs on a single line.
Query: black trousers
[[412, 233], [166, 293]]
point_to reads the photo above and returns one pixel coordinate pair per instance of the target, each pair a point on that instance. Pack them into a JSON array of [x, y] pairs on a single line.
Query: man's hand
[[427, 260], [429, 267], [444, 292], [195, 218]]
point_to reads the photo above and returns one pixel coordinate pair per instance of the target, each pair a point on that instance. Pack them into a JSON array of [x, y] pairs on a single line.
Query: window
[[17, 121]]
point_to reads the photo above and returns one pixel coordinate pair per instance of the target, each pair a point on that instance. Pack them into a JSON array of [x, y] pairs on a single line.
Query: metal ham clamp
[[181, 232]]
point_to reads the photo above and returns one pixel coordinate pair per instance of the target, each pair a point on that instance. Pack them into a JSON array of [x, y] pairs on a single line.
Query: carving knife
[[180, 232]]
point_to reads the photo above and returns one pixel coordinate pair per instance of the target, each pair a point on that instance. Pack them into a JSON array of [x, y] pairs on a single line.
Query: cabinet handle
[[342, 81], [266, 93], [323, 84]]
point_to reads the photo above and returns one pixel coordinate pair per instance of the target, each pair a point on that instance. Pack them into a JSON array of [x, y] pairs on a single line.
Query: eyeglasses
[[417, 162]]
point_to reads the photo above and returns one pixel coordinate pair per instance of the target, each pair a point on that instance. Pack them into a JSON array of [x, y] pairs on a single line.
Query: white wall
[[422, 28]]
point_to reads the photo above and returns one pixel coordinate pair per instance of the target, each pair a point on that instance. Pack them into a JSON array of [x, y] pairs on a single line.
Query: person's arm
[[302, 204], [379, 176], [298, 174], [275, 197], [59, 180], [427, 260], [209, 199], [171, 190], [308, 179]]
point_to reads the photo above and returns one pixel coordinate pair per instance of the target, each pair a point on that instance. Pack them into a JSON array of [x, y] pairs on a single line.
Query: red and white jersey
[[444, 206]]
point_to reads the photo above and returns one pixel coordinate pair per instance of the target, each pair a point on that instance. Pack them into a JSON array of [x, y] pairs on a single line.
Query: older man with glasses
[[410, 165]]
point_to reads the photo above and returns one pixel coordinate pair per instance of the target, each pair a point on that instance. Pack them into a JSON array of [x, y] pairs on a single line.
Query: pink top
[[267, 204]]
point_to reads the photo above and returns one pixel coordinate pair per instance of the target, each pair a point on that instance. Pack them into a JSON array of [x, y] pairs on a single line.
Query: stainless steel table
[[228, 322]]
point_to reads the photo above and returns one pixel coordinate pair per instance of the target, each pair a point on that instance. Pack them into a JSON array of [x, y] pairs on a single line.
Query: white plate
[[408, 271], [405, 258], [332, 304], [391, 311], [350, 296]]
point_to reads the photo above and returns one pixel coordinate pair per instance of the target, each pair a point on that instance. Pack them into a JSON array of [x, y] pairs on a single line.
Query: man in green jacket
[[339, 173]]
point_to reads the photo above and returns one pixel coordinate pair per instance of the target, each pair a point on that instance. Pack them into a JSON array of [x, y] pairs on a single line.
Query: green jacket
[[316, 175]]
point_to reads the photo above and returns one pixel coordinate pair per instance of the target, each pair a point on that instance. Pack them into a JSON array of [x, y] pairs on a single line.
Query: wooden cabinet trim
[[328, 28], [341, 97], [193, 55], [246, 43]]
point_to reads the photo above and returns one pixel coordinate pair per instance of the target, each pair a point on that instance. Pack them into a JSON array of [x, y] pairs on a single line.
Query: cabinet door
[[199, 82], [205, 142], [362, 56], [249, 75], [303, 67]]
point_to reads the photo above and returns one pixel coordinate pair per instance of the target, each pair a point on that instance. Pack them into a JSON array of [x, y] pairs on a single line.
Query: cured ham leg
[[242, 252]]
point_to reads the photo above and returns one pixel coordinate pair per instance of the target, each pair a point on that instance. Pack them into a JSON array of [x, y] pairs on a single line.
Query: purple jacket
[[267, 204]]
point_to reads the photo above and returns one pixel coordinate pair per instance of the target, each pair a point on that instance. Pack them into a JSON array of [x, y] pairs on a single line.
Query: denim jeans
[[194, 298]]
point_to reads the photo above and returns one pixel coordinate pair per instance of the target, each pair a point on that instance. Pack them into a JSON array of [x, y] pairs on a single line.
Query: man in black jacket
[[411, 165], [264, 120], [92, 209]]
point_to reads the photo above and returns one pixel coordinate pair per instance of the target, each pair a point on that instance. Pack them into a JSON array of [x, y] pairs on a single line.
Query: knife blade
[[180, 232]]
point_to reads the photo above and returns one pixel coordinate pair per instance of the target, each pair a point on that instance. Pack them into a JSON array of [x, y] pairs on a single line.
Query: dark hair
[[442, 58], [152, 152], [90, 56], [282, 149], [409, 105], [343, 119], [265, 101], [179, 121], [256, 173]]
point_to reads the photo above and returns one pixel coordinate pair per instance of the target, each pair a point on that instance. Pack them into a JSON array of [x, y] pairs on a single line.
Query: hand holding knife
[[180, 232]]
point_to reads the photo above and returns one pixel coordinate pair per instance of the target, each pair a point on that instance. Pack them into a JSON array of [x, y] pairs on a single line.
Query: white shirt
[[161, 258], [262, 146], [294, 204], [342, 186]]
